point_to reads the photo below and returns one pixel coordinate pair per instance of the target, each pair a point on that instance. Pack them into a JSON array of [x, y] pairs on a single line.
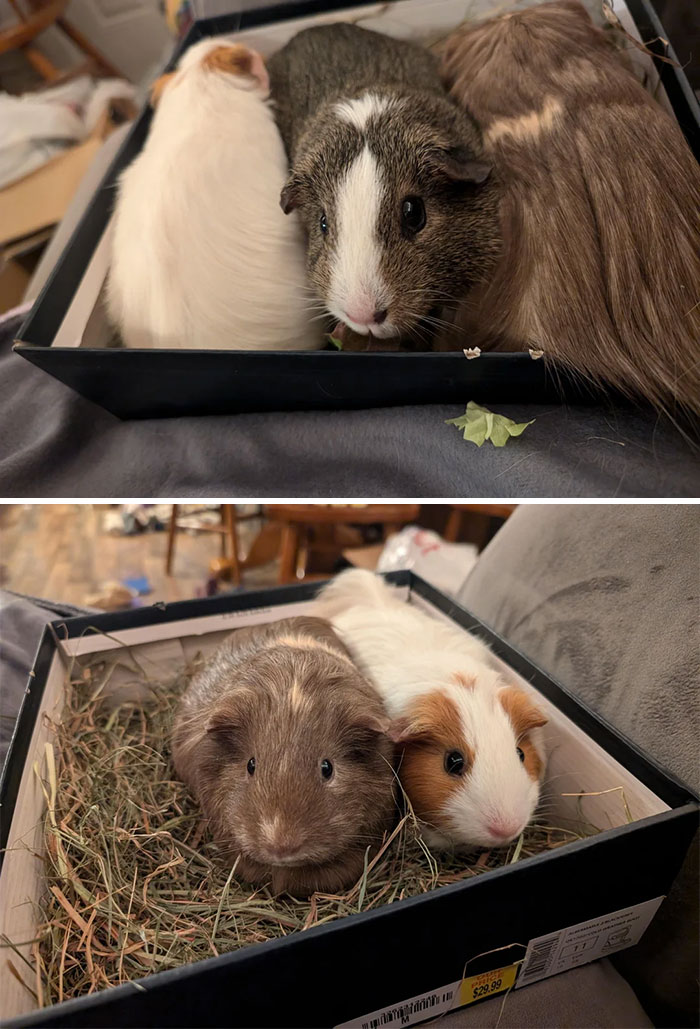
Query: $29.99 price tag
[[488, 984]]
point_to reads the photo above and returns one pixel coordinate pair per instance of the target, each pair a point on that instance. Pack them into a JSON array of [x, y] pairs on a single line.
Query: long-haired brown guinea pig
[[600, 216], [283, 742]]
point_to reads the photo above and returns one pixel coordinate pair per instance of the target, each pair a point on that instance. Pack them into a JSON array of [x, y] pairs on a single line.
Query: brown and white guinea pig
[[282, 741], [473, 753], [387, 173], [600, 214], [202, 256]]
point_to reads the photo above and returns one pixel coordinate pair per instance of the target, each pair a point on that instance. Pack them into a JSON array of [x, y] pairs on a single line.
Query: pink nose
[[366, 315], [502, 829], [285, 849]]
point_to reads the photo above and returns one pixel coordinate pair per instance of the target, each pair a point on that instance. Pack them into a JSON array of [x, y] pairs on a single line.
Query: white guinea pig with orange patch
[[473, 753], [202, 255]]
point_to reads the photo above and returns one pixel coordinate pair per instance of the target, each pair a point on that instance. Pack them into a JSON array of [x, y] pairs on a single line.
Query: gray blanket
[[22, 620], [605, 599], [53, 443]]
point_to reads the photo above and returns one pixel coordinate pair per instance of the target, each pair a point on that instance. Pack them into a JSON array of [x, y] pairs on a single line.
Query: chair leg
[[172, 529], [86, 46], [42, 65], [228, 512], [288, 552], [453, 525]]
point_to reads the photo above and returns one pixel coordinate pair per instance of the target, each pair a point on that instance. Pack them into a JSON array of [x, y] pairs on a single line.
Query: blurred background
[[116, 556]]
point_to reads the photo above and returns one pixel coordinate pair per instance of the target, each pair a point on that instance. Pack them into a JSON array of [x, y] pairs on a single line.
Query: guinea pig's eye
[[324, 223], [326, 768], [412, 215], [521, 753], [251, 766], [454, 763]]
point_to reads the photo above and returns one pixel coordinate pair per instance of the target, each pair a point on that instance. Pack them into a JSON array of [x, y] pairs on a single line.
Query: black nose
[[380, 316]]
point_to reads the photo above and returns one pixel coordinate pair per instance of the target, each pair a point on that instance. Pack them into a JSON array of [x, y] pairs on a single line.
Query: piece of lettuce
[[480, 424]]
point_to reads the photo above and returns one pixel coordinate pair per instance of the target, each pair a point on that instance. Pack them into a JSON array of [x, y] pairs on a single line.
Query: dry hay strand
[[134, 883]]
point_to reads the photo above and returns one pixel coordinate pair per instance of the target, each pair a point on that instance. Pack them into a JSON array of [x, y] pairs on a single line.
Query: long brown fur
[[287, 694], [600, 215]]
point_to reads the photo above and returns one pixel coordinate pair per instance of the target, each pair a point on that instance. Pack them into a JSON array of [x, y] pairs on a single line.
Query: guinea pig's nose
[[380, 316], [503, 829], [285, 848]]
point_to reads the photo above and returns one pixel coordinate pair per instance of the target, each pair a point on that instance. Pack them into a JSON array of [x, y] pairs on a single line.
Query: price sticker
[[488, 984]]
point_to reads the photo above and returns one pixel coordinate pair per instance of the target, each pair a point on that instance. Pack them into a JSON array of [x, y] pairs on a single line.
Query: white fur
[[356, 279], [408, 654], [203, 256], [360, 111]]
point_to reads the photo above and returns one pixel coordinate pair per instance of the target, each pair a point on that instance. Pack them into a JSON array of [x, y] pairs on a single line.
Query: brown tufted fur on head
[[287, 695], [600, 216]]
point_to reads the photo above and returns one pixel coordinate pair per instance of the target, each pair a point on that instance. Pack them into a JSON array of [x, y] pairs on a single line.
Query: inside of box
[[86, 324], [576, 764]]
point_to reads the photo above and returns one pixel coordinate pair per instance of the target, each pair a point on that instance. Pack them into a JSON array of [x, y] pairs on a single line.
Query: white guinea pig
[[202, 255], [473, 754]]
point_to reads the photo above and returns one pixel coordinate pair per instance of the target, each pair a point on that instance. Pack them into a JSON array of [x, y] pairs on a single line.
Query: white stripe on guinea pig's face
[[357, 294], [360, 111]]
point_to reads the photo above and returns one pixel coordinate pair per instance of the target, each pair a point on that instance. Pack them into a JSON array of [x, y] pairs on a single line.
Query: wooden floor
[[60, 551]]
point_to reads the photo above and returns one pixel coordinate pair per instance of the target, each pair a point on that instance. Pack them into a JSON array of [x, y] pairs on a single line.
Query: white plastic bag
[[444, 565]]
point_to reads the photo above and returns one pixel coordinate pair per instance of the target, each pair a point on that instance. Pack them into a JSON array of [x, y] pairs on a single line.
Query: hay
[[133, 881]]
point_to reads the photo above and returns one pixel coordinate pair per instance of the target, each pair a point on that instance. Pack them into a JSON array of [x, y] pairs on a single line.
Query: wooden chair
[[312, 527], [33, 18], [226, 530], [489, 511]]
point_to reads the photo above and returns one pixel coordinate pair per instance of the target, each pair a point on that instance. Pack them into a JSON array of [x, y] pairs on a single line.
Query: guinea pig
[[472, 748], [399, 207], [283, 742], [600, 221], [202, 256]]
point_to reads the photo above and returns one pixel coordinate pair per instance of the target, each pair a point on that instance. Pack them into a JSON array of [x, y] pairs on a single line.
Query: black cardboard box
[[401, 963], [66, 333]]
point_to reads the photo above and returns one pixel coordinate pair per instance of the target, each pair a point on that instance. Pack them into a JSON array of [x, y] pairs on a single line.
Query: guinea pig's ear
[[292, 194], [458, 164], [410, 730], [160, 85], [401, 730], [362, 735], [237, 59], [521, 710], [432, 717], [225, 730]]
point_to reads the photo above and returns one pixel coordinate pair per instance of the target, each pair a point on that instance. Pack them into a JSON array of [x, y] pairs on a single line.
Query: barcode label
[[402, 1015], [578, 944], [540, 958], [408, 1012]]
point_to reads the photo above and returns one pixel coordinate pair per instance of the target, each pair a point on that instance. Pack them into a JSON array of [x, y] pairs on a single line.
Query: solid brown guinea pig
[[282, 741], [600, 214]]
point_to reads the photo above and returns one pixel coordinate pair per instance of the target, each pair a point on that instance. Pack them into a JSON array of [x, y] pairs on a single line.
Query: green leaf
[[479, 424], [337, 343]]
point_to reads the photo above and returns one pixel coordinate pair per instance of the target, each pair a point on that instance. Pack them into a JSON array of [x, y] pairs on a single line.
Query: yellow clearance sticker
[[488, 984]]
